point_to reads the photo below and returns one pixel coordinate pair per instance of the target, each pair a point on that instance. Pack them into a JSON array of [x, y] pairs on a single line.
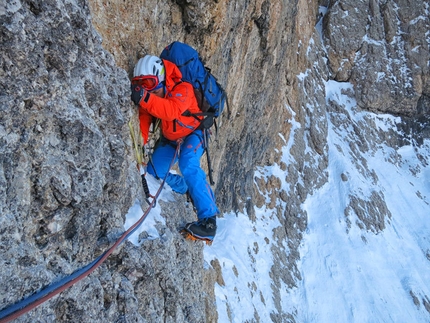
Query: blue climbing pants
[[193, 177]]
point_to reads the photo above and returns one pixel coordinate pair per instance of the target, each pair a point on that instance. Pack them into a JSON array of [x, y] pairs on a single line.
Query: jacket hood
[[173, 74]]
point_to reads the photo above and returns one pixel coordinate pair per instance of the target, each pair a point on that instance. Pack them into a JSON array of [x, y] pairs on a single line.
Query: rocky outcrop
[[382, 48], [67, 168], [66, 171]]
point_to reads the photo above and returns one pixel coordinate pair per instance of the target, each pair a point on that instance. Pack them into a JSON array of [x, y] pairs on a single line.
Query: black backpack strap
[[206, 144], [206, 122]]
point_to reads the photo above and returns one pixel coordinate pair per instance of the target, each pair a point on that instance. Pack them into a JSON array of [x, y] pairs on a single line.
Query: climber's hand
[[137, 92]]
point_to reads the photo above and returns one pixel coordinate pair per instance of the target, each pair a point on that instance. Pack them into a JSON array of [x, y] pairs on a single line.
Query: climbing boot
[[204, 229]]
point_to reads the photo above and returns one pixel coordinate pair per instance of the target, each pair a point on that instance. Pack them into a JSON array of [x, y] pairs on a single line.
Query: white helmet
[[150, 65]]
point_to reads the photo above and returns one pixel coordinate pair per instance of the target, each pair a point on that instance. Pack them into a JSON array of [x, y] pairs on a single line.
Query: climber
[[157, 90]]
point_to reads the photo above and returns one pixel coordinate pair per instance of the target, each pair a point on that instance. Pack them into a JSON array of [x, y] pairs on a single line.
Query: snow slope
[[349, 274], [352, 275]]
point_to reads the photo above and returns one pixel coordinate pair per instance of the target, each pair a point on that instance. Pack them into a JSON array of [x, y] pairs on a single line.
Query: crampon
[[192, 237]]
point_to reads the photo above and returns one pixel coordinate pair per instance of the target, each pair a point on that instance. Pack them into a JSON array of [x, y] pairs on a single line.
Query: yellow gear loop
[[137, 147]]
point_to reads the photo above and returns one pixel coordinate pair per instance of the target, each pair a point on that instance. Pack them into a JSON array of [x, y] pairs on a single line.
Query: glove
[[137, 92]]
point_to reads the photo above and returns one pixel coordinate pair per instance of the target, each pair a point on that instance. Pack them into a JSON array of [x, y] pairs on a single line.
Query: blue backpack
[[209, 93]]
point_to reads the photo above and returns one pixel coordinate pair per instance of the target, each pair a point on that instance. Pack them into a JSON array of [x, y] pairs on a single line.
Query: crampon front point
[[189, 236]]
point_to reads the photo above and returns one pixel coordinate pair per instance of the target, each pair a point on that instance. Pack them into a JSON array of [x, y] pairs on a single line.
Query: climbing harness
[[16, 310]]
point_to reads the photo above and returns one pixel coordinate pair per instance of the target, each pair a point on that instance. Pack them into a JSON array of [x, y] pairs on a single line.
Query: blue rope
[[33, 298]]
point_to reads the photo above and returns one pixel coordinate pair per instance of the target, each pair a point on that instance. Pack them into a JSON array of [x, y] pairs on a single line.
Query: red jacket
[[179, 97]]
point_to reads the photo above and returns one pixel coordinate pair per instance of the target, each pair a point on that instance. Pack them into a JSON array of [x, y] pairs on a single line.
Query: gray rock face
[[66, 173], [68, 177], [382, 48]]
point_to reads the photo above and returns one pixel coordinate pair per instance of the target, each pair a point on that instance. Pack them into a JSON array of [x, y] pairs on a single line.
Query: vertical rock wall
[[382, 47], [67, 169]]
